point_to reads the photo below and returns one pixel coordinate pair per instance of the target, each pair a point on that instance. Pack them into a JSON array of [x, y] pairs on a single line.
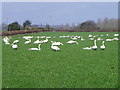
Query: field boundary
[[16, 32]]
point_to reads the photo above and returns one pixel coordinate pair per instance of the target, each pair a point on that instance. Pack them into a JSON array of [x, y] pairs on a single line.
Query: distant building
[[29, 27], [38, 26]]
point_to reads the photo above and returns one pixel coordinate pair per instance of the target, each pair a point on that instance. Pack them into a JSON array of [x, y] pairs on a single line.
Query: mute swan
[[6, 41], [95, 46], [37, 41], [116, 38], [36, 49], [48, 37], [74, 38], [42, 37], [56, 43], [116, 35], [16, 41], [14, 46], [28, 41], [90, 36], [99, 39], [71, 41], [55, 48], [107, 34], [27, 37], [102, 47], [109, 39], [44, 41], [87, 48], [101, 35]]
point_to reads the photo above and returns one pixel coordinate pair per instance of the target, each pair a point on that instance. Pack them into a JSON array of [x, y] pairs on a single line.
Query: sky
[[56, 13]]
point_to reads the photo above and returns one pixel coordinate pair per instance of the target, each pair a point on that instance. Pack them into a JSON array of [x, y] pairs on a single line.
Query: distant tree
[[99, 24], [73, 26], [26, 24], [107, 24], [47, 26], [88, 26], [66, 26], [60, 27], [13, 26]]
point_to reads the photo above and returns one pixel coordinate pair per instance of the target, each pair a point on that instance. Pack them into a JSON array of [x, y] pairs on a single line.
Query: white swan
[[44, 41], [28, 41], [101, 35], [95, 45], [87, 48], [99, 39], [107, 34], [6, 41], [116, 38], [116, 35], [36, 49], [109, 39], [14, 46], [102, 47], [55, 48], [71, 41], [37, 41], [16, 41], [27, 37], [56, 43], [90, 36], [74, 38]]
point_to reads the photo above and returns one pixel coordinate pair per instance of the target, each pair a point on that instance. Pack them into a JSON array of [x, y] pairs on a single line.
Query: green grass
[[71, 67]]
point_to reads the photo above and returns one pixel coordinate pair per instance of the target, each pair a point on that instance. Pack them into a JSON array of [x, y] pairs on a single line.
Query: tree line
[[16, 26], [27, 25], [102, 25], [91, 26]]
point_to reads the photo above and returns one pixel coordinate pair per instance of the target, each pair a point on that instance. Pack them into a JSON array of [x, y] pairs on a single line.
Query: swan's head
[[51, 41], [94, 40], [103, 42]]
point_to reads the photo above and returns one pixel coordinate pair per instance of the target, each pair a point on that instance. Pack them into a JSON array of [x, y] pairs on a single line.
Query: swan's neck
[[52, 45], [95, 43], [103, 44], [39, 46]]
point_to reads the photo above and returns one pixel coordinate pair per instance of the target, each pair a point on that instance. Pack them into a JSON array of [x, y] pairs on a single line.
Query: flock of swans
[[55, 44]]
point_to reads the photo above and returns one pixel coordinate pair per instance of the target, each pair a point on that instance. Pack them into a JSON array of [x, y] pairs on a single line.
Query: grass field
[[71, 67]]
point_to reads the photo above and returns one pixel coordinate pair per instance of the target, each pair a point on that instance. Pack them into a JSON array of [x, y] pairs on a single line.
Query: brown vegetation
[[8, 33]]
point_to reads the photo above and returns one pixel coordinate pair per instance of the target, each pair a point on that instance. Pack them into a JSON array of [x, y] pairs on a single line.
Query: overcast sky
[[55, 13]]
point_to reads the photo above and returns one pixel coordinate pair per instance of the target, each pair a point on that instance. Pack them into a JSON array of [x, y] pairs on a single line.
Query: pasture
[[71, 67]]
